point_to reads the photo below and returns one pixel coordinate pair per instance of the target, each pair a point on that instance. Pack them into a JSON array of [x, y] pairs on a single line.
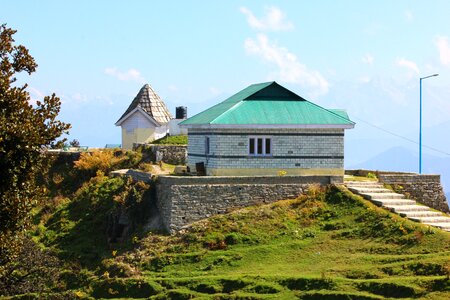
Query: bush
[[107, 160], [232, 238], [118, 269]]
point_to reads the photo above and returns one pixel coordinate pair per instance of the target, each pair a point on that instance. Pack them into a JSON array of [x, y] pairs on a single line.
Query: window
[[260, 146], [207, 145]]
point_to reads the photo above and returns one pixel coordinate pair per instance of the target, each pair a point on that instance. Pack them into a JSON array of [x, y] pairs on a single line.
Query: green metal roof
[[268, 104]]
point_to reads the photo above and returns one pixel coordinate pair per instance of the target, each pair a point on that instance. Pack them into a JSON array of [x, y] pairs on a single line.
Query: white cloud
[[214, 91], [368, 59], [408, 64], [444, 49], [274, 20], [364, 79], [130, 75], [409, 15], [173, 88], [290, 70]]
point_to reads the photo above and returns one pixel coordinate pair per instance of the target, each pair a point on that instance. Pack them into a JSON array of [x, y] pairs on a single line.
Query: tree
[[25, 131], [75, 143]]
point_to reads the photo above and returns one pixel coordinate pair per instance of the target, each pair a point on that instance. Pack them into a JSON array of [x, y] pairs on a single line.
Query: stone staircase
[[375, 192]]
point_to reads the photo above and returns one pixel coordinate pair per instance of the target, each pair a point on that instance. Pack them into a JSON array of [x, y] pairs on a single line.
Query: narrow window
[[260, 146], [268, 147], [251, 149], [207, 145]]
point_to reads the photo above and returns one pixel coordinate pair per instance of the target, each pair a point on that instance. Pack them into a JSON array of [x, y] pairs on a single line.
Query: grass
[[172, 140], [328, 244], [359, 178]]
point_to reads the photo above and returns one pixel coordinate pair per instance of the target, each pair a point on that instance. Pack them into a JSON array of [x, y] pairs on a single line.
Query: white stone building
[[147, 119], [266, 129]]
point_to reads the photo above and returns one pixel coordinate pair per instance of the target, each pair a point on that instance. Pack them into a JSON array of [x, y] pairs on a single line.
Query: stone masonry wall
[[426, 189], [291, 148], [183, 200], [172, 154]]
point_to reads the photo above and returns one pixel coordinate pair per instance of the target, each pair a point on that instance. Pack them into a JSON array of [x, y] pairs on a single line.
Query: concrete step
[[363, 183], [391, 195], [407, 208], [435, 219], [398, 202], [369, 190], [443, 226], [426, 213]]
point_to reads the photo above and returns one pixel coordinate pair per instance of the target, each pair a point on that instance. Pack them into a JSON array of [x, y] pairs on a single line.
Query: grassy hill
[[328, 244]]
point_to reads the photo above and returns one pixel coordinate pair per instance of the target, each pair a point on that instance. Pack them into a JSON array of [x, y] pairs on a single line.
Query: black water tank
[[181, 112]]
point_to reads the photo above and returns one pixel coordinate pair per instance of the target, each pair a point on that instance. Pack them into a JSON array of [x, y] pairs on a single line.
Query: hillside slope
[[329, 244]]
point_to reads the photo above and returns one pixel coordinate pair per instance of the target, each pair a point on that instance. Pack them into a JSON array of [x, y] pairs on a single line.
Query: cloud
[[443, 46], [408, 64], [290, 70], [130, 75], [368, 59], [409, 15], [274, 20], [214, 91]]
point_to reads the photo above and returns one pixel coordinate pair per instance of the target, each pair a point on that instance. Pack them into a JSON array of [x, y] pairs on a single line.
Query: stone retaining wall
[[172, 154], [183, 200], [426, 189]]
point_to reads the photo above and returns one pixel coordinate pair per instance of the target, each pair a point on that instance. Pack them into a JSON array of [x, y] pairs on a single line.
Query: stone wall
[[291, 149], [426, 189], [183, 200], [172, 154]]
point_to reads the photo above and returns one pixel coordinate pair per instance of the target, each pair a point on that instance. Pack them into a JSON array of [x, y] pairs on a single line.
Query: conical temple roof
[[151, 103]]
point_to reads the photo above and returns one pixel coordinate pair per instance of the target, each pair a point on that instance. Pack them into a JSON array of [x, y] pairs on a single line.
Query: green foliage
[[325, 244], [371, 175], [107, 160], [34, 270], [119, 288], [25, 129], [172, 140], [79, 228]]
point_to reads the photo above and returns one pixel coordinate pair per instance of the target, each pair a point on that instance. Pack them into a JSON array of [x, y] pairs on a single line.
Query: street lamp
[[420, 122]]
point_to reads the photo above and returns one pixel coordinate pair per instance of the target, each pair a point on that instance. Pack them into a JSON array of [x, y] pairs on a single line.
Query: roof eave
[[138, 108], [268, 126]]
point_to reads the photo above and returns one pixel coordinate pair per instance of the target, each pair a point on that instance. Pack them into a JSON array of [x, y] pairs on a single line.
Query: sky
[[362, 56]]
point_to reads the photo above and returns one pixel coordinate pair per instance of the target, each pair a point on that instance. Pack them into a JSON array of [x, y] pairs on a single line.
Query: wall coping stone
[[194, 180]]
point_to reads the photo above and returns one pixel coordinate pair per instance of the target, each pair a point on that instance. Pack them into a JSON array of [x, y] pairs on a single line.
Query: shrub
[[232, 238], [107, 160], [118, 269], [371, 175]]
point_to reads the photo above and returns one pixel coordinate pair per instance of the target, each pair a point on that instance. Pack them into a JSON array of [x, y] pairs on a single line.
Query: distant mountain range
[[403, 159]]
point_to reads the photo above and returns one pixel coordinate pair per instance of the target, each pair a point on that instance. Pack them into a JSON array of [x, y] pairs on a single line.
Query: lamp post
[[420, 122]]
